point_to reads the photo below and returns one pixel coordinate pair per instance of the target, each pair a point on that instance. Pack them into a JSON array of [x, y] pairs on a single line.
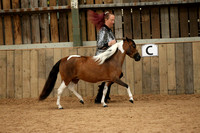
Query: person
[[105, 38]]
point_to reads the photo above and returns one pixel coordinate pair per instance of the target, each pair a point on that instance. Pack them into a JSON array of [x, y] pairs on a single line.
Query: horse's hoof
[[131, 101], [105, 106], [81, 101], [61, 108]]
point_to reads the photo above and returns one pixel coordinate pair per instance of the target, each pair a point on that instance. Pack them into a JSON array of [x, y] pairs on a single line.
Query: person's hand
[[111, 42]]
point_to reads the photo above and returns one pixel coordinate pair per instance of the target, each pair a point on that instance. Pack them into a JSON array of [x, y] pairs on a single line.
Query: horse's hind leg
[[71, 88], [60, 90], [104, 94]]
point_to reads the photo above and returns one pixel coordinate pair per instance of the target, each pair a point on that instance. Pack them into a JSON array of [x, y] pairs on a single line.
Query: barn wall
[[174, 71]]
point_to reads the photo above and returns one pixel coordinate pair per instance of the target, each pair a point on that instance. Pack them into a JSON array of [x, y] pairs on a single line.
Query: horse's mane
[[108, 53]]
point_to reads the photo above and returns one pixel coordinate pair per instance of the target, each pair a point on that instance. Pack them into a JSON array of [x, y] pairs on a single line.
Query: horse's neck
[[118, 57]]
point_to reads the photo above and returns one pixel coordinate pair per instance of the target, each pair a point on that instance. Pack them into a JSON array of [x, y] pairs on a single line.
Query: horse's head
[[130, 48]]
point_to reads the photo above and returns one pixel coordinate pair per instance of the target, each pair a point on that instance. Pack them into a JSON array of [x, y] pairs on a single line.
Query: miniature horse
[[106, 66]]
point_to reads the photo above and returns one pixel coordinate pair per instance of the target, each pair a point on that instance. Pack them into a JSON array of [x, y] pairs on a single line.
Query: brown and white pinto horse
[[106, 66]]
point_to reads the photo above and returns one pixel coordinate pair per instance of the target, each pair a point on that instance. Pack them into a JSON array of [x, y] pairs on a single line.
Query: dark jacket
[[104, 36]]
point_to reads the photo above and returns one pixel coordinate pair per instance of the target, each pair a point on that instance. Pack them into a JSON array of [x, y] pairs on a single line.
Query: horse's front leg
[[118, 81]]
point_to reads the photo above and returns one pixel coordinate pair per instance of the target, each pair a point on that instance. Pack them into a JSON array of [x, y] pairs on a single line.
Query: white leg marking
[[104, 94], [129, 93], [60, 90], [71, 88]]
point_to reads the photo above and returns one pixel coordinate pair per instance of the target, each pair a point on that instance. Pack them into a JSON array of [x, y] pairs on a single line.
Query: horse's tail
[[50, 83]]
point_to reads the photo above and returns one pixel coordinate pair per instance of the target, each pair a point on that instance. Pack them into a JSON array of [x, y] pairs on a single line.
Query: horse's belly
[[92, 79]]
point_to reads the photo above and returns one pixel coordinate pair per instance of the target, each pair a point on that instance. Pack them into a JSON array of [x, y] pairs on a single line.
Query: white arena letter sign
[[149, 50]]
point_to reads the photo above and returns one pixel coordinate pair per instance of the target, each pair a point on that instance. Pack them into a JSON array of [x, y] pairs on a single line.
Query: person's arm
[[102, 40], [111, 42]]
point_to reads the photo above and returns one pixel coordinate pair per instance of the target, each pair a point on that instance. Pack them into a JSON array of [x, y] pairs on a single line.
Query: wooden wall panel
[[41, 69], [90, 27], [53, 23], [179, 56], [7, 24], [193, 21], [171, 66], [18, 74], [174, 71], [17, 24], [174, 22], [1, 29], [146, 23], [63, 30], [3, 81], [146, 75], [155, 22], [49, 64], [183, 12], [69, 14], [127, 23], [163, 69], [83, 22], [10, 74], [136, 23], [196, 66], [138, 74], [35, 23], [118, 21], [44, 23], [34, 73], [164, 22], [26, 25], [26, 74], [159, 21], [188, 68], [155, 86]]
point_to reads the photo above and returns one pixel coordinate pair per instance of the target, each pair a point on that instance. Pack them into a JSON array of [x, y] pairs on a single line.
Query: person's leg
[[108, 92], [100, 93]]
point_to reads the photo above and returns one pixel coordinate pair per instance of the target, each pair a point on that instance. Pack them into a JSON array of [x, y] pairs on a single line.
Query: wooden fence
[[174, 71], [21, 21]]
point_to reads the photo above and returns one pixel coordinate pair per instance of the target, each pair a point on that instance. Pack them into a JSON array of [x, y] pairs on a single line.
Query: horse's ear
[[127, 39]]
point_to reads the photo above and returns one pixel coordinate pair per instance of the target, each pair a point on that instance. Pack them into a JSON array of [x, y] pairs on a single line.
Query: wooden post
[[76, 23], [1, 29]]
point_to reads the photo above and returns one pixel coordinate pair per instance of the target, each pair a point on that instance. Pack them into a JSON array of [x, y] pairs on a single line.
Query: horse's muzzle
[[137, 57]]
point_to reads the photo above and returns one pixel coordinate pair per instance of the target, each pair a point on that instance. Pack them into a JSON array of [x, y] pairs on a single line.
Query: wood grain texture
[[3, 81], [196, 66], [18, 74], [44, 24], [7, 24]]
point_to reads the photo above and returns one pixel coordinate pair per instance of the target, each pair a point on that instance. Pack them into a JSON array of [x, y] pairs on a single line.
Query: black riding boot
[[108, 93], [100, 93]]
